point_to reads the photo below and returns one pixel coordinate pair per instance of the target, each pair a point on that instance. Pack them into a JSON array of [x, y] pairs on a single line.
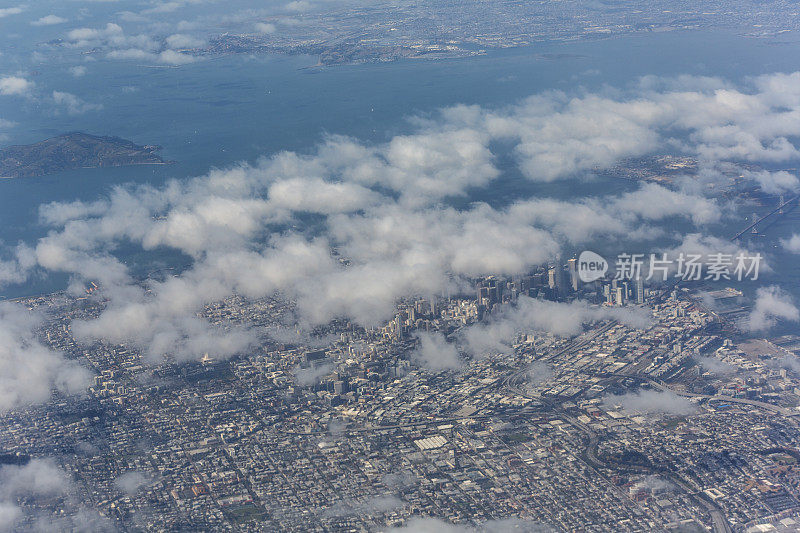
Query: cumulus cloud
[[435, 352], [715, 366], [384, 223], [559, 135], [537, 373], [6, 11], [527, 315], [49, 20], [530, 315], [774, 182], [43, 478], [161, 328], [649, 401], [312, 375], [17, 268], [298, 6], [131, 482], [374, 505], [40, 477], [265, 27], [655, 483], [654, 202], [78, 71], [173, 57], [29, 371], [163, 7], [72, 104], [772, 305], [168, 57], [181, 40], [15, 85], [112, 34], [792, 244], [119, 45], [690, 258]]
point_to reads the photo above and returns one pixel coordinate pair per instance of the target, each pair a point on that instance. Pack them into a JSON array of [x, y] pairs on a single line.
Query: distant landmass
[[72, 151]]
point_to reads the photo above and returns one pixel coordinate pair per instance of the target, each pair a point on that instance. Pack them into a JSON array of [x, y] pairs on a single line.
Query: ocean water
[[222, 111]]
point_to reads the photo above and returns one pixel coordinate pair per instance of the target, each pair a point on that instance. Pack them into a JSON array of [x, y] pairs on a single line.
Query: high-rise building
[[639, 290], [554, 280], [573, 274]]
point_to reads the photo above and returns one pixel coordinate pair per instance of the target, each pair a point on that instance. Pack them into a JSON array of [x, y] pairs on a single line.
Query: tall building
[[554, 280], [572, 268], [639, 289], [490, 291], [620, 296]]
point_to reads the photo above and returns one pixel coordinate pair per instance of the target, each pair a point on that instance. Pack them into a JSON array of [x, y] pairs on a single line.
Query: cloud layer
[[42, 478], [347, 229], [772, 305], [29, 371], [650, 401]]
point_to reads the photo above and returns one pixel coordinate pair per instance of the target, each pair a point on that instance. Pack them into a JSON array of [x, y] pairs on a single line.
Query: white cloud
[[775, 182], [298, 6], [19, 485], [49, 20], [650, 401], [14, 85], [113, 38], [265, 27], [312, 375], [88, 36], [6, 11], [435, 352], [163, 7], [131, 53], [130, 482], [181, 40], [530, 315], [772, 304], [40, 477], [383, 210], [714, 365], [171, 57], [654, 202], [72, 104], [792, 244], [29, 371], [78, 71]]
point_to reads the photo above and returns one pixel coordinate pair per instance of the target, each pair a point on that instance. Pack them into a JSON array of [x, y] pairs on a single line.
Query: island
[[72, 151]]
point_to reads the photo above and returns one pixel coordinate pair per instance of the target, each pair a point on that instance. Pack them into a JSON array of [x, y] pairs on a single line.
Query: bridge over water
[[779, 210]]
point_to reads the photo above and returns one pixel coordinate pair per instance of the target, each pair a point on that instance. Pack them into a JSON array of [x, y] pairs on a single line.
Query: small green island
[[73, 151]]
